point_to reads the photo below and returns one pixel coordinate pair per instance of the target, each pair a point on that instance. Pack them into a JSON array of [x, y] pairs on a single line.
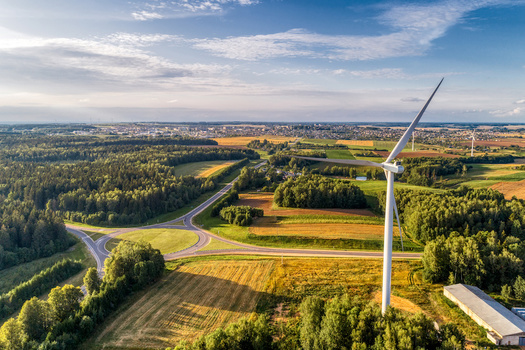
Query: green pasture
[[339, 154], [164, 239], [196, 168]]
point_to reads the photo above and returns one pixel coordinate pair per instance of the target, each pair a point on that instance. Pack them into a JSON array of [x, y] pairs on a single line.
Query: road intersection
[[100, 253]]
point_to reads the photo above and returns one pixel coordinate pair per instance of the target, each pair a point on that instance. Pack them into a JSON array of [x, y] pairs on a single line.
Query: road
[[99, 251]]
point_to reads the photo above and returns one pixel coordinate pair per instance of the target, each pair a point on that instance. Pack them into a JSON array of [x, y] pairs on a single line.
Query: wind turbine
[[390, 168], [472, 149]]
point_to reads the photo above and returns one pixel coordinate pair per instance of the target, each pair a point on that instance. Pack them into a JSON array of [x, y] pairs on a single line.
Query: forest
[[315, 191], [98, 181], [339, 323], [63, 321]]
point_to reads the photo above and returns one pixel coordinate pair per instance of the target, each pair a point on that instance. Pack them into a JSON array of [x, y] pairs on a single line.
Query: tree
[[92, 281], [12, 335], [64, 301], [519, 288], [35, 318]]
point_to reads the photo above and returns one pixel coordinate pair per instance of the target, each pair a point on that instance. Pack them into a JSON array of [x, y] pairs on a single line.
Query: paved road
[[99, 251]]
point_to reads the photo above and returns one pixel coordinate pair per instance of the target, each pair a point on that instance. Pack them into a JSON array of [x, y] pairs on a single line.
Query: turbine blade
[[342, 161], [406, 136], [398, 223]]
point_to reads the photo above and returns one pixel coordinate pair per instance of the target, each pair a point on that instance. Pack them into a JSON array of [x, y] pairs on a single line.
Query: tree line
[[64, 321], [38, 285], [339, 323], [315, 191]]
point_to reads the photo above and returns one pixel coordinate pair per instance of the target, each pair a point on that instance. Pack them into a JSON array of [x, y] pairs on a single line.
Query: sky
[[104, 61]]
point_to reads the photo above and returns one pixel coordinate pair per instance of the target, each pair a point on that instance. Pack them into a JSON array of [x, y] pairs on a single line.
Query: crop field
[[201, 169], [265, 202], [195, 299], [510, 189], [410, 154], [243, 141], [166, 240], [339, 154], [265, 227], [355, 143]]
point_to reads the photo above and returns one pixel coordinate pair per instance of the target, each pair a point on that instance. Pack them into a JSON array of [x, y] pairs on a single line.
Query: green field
[[339, 154], [319, 141], [197, 168], [166, 240]]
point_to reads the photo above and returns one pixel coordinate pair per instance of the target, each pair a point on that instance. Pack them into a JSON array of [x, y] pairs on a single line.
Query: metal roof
[[501, 319]]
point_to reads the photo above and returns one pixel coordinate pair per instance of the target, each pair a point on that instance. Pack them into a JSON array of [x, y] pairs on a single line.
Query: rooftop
[[501, 319]]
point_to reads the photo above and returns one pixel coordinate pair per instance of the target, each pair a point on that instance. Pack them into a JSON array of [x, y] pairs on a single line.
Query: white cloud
[[183, 8], [507, 113], [520, 102], [145, 15], [414, 27]]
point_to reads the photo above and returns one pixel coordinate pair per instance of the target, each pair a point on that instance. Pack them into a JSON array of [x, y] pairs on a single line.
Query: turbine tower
[[390, 168], [413, 138], [472, 149]]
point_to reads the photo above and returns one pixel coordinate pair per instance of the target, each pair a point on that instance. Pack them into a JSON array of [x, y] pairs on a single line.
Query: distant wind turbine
[[390, 169], [472, 149]]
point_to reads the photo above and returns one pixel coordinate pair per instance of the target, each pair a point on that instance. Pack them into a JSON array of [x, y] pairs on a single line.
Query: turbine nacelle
[[395, 168]]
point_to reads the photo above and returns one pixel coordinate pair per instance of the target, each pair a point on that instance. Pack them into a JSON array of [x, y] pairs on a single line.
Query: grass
[[94, 234], [13, 276], [339, 154], [244, 235], [330, 219], [201, 169], [320, 141], [215, 244], [166, 240], [195, 299]]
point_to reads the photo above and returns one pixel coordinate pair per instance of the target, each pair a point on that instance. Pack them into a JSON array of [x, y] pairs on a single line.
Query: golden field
[[510, 189], [267, 226], [212, 170], [244, 140], [193, 300], [355, 143]]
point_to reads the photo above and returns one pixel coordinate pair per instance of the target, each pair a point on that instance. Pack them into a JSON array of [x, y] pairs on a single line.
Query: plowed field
[[195, 299]]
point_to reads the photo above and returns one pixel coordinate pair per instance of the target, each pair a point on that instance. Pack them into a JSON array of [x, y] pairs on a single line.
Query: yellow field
[[214, 169], [510, 189], [265, 227], [243, 141], [195, 299], [355, 143]]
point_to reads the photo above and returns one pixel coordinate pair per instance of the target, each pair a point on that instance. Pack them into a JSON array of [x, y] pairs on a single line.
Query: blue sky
[[261, 60]]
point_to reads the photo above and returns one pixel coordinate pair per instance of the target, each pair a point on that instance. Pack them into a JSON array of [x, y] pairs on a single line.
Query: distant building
[[361, 178], [502, 325]]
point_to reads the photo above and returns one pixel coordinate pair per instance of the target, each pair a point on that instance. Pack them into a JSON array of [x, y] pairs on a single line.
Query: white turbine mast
[[472, 149], [390, 169]]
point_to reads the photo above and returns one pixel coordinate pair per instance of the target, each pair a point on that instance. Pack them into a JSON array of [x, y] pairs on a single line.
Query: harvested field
[[398, 303], [214, 169], [265, 201], [265, 227], [510, 189], [195, 299], [418, 154], [355, 143], [243, 141]]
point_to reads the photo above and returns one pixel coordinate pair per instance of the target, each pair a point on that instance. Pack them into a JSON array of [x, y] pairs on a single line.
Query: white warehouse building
[[502, 325]]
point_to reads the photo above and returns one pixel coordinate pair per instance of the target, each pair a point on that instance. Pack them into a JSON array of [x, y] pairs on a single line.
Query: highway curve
[[98, 250]]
